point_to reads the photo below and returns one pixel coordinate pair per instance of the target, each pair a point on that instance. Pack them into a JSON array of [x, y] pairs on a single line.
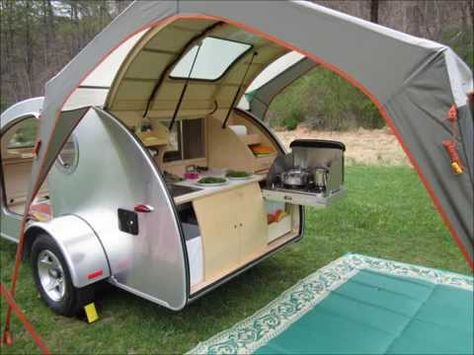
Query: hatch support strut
[[188, 45], [254, 54], [185, 87]]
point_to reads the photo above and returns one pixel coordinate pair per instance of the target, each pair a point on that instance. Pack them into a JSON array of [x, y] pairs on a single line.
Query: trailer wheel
[[53, 279]]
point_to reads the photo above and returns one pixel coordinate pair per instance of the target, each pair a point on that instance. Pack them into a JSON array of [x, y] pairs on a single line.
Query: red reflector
[[143, 208], [95, 274]]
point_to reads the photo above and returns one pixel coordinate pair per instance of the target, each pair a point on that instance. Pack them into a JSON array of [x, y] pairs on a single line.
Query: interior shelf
[[266, 156], [264, 162], [251, 139], [279, 229], [150, 139]]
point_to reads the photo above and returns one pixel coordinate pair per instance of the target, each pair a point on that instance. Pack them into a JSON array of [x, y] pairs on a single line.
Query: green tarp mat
[[360, 305], [377, 313]]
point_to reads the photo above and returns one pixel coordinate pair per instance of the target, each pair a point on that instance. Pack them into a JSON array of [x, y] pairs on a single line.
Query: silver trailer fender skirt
[[80, 246]]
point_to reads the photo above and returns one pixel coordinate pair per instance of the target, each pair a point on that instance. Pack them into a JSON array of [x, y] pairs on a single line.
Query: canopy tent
[[260, 94], [413, 82], [277, 67]]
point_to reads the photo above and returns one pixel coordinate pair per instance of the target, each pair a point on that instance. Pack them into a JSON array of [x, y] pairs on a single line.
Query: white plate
[[213, 184], [239, 178]]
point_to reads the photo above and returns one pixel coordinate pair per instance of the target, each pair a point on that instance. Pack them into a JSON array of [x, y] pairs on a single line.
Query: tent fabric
[[412, 81], [104, 74], [274, 69], [260, 98]]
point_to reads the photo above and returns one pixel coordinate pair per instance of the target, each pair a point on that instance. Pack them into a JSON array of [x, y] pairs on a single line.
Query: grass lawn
[[387, 214]]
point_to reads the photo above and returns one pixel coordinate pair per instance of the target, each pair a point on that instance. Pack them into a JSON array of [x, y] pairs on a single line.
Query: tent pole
[[6, 337]]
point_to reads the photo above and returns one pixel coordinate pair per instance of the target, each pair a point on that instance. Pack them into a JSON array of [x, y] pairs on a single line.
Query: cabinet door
[[252, 222], [217, 217]]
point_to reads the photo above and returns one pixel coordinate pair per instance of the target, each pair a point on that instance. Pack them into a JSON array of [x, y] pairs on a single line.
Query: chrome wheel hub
[[51, 275]]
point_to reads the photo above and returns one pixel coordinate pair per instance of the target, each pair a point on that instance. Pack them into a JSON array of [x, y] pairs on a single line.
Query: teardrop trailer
[[155, 94]]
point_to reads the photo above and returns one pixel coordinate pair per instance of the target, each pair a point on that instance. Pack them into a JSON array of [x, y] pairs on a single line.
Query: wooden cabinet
[[220, 237], [233, 227]]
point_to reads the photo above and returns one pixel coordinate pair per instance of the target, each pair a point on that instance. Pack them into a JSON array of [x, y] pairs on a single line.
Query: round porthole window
[[68, 157]]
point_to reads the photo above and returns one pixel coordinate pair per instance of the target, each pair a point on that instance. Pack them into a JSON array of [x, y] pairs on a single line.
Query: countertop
[[208, 190]]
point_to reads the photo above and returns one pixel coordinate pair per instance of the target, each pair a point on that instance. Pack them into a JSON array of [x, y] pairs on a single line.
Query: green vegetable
[[211, 180], [237, 174]]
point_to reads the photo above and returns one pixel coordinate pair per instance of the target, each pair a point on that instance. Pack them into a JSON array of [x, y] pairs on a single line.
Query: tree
[[374, 11], [470, 4], [49, 33], [28, 46]]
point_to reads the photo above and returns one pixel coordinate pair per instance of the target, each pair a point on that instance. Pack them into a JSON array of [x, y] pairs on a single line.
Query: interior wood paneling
[[225, 148]]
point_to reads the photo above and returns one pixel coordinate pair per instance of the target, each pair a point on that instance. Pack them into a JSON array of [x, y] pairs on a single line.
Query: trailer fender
[[81, 248]]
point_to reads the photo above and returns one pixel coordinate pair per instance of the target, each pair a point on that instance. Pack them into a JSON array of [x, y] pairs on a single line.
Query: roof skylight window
[[214, 57]]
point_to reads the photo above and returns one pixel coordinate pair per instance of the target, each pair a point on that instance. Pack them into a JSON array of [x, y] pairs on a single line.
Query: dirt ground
[[371, 147]]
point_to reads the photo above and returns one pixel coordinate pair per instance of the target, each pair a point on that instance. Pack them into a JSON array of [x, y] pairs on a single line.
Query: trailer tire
[[53, 279]]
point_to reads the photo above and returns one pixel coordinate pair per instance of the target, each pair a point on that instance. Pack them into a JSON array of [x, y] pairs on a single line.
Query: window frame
[[238, 58], [3, 199], [173, 153], [57, 162], [19, 122]]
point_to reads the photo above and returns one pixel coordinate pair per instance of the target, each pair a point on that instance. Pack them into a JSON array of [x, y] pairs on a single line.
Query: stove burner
[[294, 187]]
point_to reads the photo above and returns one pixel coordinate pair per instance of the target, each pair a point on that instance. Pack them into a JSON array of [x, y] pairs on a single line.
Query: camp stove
[[311, 175], [307, 195]]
